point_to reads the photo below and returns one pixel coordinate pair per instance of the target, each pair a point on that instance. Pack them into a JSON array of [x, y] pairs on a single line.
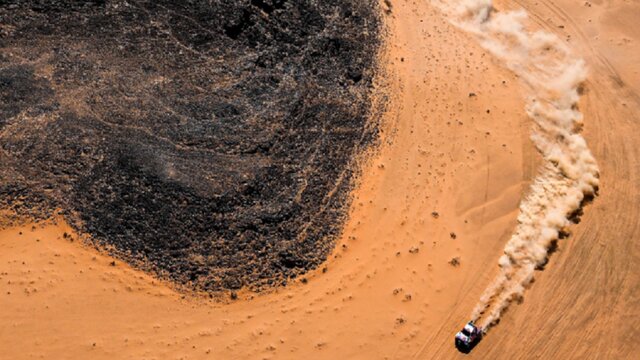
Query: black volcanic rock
[[211, 140]]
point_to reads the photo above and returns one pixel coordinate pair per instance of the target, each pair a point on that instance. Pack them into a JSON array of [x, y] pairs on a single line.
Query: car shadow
[[467, 349]]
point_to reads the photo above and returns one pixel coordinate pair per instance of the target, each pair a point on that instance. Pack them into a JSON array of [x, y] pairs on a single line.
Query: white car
[[468, 337]]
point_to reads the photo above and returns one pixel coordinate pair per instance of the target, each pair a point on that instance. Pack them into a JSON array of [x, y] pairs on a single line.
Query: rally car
[[468, 337]]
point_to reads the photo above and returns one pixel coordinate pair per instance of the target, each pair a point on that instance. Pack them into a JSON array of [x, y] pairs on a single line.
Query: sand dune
[[434, 207]]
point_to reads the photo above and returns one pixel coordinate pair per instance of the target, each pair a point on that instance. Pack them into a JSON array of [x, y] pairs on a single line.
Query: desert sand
[[433, 209]]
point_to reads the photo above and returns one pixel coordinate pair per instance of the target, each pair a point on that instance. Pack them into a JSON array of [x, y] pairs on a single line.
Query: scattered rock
[[387, 7], [455, 261]]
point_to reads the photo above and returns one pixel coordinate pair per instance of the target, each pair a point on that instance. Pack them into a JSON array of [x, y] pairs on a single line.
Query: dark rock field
[[210, 142]]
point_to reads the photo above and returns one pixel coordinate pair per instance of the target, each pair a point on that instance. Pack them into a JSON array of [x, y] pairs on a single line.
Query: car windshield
[[467, 333]]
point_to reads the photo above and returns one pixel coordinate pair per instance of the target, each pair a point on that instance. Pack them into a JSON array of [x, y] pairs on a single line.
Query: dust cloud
[[553, 77]]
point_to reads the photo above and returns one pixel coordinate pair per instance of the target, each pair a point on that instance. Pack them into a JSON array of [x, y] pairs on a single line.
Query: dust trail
[[553, 77]]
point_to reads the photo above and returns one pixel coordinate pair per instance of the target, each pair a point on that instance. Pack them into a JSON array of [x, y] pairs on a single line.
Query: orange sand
[[389, 291]]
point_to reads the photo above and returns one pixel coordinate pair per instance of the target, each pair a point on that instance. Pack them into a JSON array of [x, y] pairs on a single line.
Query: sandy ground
[[446, 182]]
